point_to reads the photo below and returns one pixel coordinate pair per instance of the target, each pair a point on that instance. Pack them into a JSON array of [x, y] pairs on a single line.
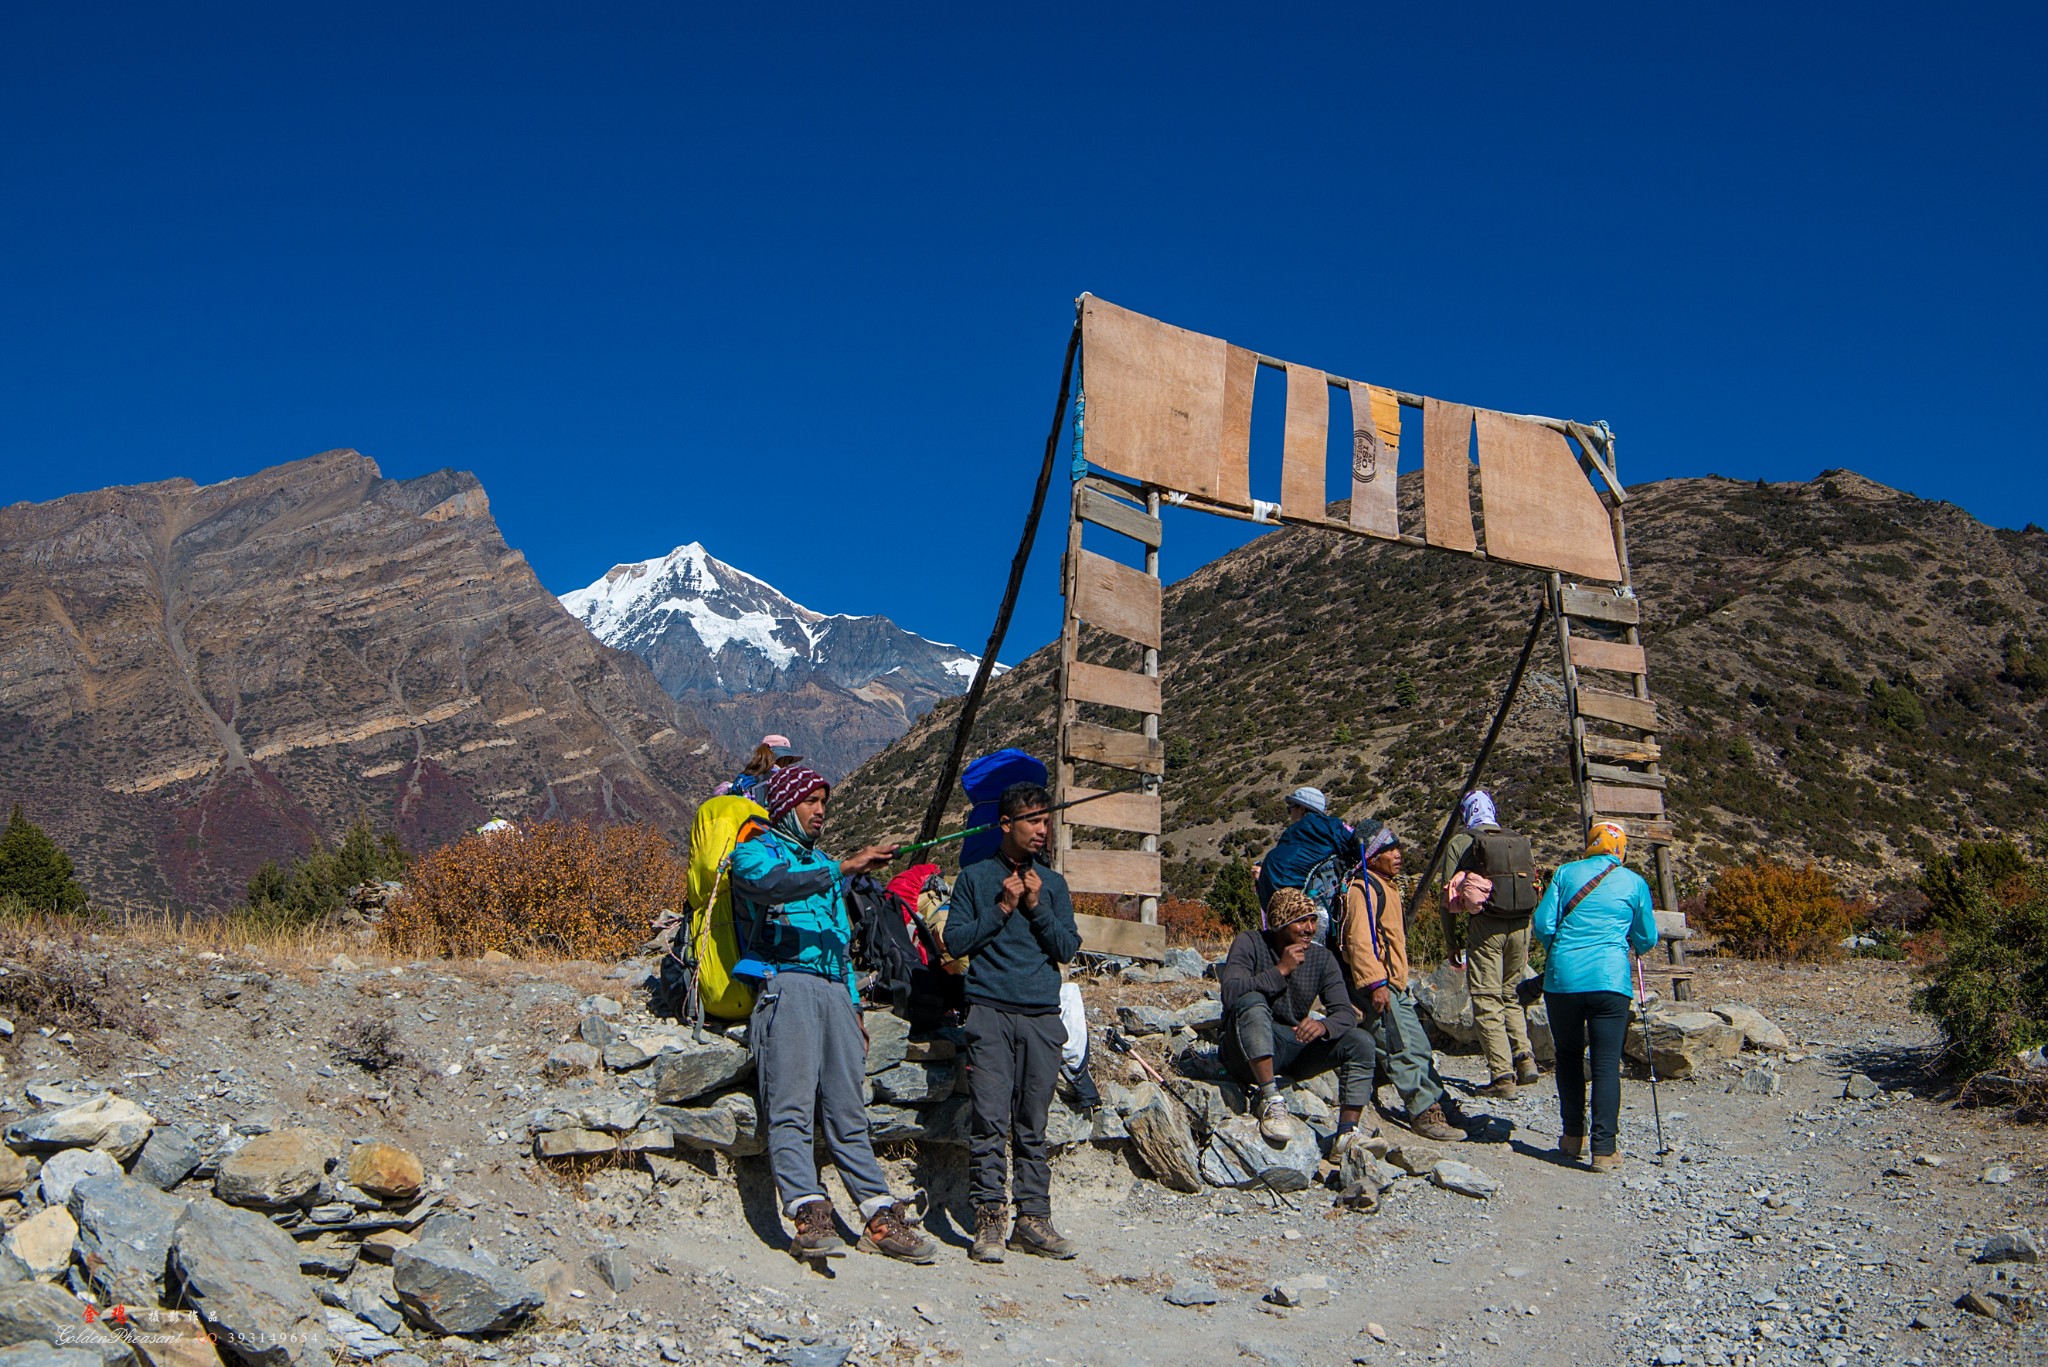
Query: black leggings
[[1579, 1020]]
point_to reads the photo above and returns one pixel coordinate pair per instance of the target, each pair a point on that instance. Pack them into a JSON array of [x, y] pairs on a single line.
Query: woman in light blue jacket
[[1592, 915]]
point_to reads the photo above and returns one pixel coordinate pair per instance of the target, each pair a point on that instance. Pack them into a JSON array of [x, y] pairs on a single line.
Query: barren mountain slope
[[194, 679], [1851, 673]]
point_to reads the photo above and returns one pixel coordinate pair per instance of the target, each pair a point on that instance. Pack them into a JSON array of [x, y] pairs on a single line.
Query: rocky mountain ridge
[[1848, 673], [750, 660], [194, 679]]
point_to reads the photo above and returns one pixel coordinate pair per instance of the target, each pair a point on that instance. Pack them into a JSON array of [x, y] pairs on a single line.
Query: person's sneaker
[[893, 1230], [991, 1227], [1607, 1162], [1571, 1145], [1432, 1124], [1526, 1071], [1501, 1088], [817, 1233], [1274, 1121], [1035, 1234]]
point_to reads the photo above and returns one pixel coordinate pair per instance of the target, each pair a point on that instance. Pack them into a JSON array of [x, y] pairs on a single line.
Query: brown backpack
[[1505, 859]]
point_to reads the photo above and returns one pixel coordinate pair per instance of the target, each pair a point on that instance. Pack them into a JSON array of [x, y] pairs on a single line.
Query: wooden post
[[1575, 729], [1148, 907], [1070, 644], [1500, 717]]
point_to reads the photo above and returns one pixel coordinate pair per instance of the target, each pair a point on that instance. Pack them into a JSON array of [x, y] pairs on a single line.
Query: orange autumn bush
[[1770, 910], [552, 890]]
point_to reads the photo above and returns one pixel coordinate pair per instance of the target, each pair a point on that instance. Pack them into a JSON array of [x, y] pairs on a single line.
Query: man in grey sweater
[[1272, 980], [1014, 917]]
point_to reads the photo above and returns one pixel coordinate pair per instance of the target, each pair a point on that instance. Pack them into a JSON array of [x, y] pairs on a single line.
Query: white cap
[[1309, 799]]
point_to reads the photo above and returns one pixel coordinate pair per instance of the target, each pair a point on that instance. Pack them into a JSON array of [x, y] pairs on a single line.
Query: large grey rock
[[167, 1159], [446, 1291], [1683, 1044], [569, 1060], [613, 1268], [241, 1273], [1188, 961], [276, 1169], [1066, 1126], [1757, 1031], [888, 1040], [364, 1341], [1860, 1087], [1541, 1042], [612, 1112], [1445, 1005], [1464, 1179], [915, 1084], [574, 1144], [695, 1070], [699, 1127], [2016, 1246], [1158, 1127], [31, 1312], [65, 1170], [114, 1124], [894, 1124], [124, 1237], [1146, 1020], [1237, 1155]]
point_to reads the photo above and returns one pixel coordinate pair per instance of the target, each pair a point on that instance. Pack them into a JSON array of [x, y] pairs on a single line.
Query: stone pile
[[129, 1241]]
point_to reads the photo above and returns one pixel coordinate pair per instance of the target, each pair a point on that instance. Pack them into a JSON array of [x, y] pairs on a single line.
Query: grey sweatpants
[[1405, 1045], [1250, 1032], [808, 1051], [1014, 1063]]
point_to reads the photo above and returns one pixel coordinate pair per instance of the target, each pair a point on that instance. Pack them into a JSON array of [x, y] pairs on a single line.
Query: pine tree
[[1232, 896], [33, 868]]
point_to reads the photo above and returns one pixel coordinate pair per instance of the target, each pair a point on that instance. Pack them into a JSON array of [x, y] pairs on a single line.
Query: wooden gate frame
[[1615, 777]]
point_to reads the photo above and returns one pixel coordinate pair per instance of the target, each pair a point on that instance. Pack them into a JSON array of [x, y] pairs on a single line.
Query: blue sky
[[796, 285]]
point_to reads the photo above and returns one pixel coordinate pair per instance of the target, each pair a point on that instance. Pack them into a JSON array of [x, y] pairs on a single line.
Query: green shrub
[[1989, 991], [1232, 896], [316, 886], [35, 870], [1949, 881], [1769, 910]]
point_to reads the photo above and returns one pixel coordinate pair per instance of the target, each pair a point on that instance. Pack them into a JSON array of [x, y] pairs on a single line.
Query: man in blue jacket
[[1014, 917], [810, 1046], [1312, 837]]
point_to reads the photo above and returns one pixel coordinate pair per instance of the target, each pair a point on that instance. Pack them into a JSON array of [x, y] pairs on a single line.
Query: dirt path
[[1795, 1227]]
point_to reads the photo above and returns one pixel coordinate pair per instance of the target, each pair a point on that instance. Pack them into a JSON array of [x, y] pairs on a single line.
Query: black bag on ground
[[1505, 859], [881, 944]]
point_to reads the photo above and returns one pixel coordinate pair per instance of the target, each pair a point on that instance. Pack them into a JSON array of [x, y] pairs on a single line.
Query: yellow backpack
[[713, 944]]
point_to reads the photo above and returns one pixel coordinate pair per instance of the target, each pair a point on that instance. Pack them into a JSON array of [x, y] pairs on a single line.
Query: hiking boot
[[1571, 1145], [1607, 1162], [1431, 1124], [817, 1233], [893, 1230], [1274, 1122], [1501, 1088], [1526, 1071], [1035, 1234], [991, 1227]]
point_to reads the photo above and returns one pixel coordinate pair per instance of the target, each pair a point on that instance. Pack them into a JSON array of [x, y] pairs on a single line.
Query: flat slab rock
[[124, 1237], [32, 1312]]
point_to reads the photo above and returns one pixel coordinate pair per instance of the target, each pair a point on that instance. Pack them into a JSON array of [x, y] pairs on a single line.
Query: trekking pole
[[1123, 1044], [902, 850], [1650, 1058]]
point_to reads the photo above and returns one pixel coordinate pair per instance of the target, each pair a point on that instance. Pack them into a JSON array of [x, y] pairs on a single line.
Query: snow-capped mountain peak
[[716, 636]]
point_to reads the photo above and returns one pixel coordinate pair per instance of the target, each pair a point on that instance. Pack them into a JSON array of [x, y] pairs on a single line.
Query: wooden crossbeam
[[1092, 744], [1119, 873], [1633, 751], [1618, 708], [1614, 800], [1137, 812], [1112, 687], [1116, 598], [1601, 607], [1632, 778], [1124, 939], [1104, 511], [1618, 656]]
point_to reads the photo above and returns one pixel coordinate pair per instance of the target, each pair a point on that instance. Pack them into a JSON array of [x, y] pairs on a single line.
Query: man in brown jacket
[[1375, 960]]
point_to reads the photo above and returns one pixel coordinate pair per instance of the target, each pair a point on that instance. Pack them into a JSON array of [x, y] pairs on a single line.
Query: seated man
[[1271, 980], [1375, 959]]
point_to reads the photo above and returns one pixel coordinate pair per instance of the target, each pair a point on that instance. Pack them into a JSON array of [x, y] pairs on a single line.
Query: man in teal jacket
[[1593, 914], [810, 1047]]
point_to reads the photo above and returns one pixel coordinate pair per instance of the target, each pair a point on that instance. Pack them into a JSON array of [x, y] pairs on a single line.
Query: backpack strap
[[1580, 895]]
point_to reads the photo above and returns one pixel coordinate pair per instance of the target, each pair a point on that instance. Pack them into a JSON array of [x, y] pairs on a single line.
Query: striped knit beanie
[[789, 785]]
